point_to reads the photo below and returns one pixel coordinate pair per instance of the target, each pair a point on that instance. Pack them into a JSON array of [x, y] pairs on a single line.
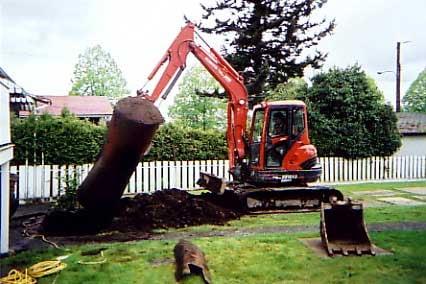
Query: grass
[[379, 185], [271, 258], [261, 258]]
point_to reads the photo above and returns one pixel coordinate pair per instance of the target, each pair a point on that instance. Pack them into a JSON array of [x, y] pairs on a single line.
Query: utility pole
[[398, 77]]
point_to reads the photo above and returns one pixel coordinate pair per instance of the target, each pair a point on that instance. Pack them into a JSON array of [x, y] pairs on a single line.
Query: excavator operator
[[276, 149], [279, 122]]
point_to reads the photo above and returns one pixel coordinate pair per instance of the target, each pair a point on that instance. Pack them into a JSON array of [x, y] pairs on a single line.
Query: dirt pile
[[170, 208]]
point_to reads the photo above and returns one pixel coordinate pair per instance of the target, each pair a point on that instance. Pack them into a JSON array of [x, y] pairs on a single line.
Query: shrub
[[349, 117], [56, 140]]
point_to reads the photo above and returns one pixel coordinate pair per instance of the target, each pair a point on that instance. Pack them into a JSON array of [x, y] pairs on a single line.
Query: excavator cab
[[279, 147]]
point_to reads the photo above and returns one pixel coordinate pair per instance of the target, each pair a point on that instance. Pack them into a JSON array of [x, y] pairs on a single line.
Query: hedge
[[69, 140], [176, 143], [56, 140]]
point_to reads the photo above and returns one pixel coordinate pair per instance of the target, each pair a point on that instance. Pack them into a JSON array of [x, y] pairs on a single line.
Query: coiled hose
[[36, 271]]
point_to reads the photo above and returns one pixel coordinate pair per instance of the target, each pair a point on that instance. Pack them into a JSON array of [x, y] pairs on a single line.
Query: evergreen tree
[[269, 41]]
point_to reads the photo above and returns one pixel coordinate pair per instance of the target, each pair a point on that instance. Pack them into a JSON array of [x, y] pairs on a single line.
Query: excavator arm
[[175, 62]]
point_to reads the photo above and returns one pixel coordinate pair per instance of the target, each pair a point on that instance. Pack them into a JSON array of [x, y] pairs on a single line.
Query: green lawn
[[261, 258], [271, 258]]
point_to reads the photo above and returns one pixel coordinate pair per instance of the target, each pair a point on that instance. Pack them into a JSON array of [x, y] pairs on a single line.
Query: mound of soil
[[171, 208]]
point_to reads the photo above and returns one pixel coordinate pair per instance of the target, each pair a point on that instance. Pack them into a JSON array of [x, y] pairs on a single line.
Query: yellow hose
[[36, 271], [45, 268], [102, 260], [17, 277]]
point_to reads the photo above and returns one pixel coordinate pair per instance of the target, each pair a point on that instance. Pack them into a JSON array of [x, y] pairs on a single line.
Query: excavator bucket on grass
[[343, 229]]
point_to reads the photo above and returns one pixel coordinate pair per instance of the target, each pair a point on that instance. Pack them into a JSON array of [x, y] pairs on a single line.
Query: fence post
[[190, 175], [184, 174], [197, 168], [424, 167], [321, 162], [158, 175], [402, 167], [220, 168], [226, 168], [166, 174], [139, 181], [173, 175], [330, 169], [152, 180]]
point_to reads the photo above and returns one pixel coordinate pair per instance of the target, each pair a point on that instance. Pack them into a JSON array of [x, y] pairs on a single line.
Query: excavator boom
[[175, 62]]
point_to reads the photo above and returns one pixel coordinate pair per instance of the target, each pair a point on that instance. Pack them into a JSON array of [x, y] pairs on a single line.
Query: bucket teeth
[[358, 251]]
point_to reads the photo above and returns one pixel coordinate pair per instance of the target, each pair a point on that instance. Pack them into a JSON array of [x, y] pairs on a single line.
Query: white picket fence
[[48, 181]]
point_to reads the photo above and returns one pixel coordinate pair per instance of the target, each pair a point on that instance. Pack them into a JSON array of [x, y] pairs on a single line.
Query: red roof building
[[94, 108]]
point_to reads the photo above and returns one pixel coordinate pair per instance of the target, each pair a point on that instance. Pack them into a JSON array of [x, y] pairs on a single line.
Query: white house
[[412, 127], [6, 154]]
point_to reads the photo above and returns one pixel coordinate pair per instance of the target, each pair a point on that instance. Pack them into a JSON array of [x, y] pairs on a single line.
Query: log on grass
[[133, 124]]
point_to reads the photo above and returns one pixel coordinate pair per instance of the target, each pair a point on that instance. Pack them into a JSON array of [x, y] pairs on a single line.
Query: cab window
[[258, 125], [298, 121], [278, 123]]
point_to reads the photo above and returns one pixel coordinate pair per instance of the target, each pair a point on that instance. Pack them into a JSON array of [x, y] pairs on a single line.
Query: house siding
[[6, 154], [412, 146]]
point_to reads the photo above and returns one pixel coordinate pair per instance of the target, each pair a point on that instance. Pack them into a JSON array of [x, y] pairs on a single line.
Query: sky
[[40, 40]]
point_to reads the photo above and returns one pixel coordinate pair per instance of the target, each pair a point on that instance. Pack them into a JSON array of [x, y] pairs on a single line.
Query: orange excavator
[[271, 163], [275, 153]]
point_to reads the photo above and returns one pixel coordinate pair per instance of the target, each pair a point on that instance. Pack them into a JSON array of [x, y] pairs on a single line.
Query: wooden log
[[133, 124]]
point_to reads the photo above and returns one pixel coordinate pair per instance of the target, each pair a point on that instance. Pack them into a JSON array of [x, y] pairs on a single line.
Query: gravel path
[[376, 227]]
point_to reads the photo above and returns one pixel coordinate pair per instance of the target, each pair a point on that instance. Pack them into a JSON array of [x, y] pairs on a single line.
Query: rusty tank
[[134, 122]]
